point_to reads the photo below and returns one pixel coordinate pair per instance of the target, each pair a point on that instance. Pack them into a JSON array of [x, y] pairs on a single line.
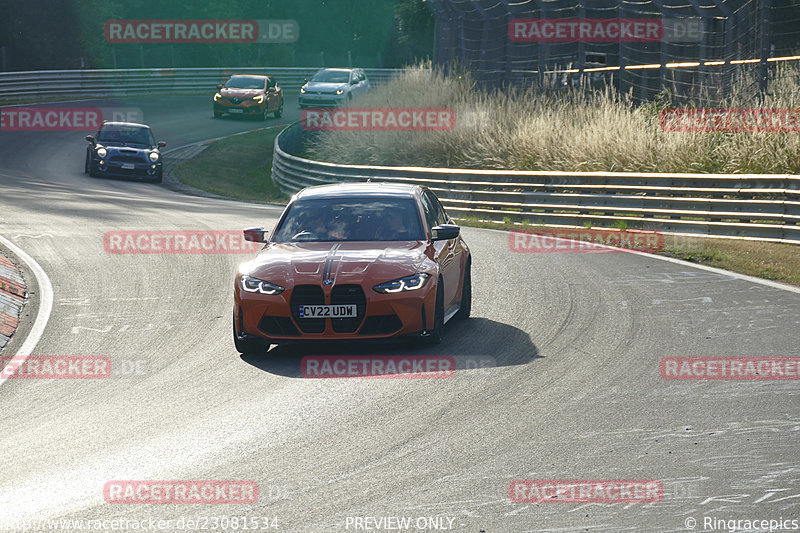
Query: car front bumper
[[244, 108], [321, 100], [380, 316], [115, 168]]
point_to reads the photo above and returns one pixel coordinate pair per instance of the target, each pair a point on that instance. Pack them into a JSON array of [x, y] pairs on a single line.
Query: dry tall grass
[[570, 131]]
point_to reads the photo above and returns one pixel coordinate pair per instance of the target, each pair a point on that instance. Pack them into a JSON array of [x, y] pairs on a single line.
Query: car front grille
[[348, 294], [307, 295], [126, 159]]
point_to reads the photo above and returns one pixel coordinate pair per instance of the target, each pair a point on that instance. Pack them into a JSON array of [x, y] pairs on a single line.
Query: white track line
[[45, 301], [744, 277]]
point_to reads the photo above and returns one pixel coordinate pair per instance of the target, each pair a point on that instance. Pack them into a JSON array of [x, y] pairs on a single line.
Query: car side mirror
[[255, 235], [445, 232], [305, 80], [162, 144], [354, 82], [219, 86], [90, 138]]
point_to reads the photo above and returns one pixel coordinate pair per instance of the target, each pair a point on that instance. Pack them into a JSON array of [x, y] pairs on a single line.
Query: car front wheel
[[90, 168], [437, 333], [279, 112]]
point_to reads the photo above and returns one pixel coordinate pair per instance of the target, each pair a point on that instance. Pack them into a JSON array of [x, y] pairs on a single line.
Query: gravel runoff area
[[12, 297]]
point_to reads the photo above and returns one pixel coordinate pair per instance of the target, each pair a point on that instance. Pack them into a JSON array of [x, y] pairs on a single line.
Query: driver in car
[[392, 227]]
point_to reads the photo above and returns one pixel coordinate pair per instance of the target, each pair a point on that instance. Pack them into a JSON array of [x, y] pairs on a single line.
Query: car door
[[446, 252]]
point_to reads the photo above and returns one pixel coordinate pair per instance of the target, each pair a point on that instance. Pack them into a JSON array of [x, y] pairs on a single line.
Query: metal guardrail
[[121, 82], [758, 206]]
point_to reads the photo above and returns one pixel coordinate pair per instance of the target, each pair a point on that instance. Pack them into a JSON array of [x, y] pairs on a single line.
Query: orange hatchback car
[[249, 94], [353, 261]]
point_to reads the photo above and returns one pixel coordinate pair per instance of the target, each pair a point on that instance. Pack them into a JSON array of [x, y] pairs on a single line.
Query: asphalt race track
[[569, 345]]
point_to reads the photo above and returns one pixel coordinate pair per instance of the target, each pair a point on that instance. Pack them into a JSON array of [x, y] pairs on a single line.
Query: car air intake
[[278, 326], [381, 325]]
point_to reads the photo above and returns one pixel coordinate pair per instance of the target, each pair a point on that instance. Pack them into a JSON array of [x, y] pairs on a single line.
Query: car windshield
[[331, 76], [242, 82], [125, 134], [351, 219]]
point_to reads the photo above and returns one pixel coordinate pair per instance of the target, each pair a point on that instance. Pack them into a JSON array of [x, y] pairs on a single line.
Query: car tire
[[466, 293], [437, 333], [86, 164], [217, 115], [279, 112], [159, 177], [248, 345], [92, 170], [265, 113]]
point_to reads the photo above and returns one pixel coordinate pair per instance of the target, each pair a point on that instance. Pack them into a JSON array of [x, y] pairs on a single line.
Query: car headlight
[[217, 97], [408, 283], [153, 156], [303, 89], [339, 91], [251, 284], [259, 98], [102, 152]]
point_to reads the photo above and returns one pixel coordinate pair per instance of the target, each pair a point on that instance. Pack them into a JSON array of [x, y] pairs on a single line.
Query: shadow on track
[[478, 343]]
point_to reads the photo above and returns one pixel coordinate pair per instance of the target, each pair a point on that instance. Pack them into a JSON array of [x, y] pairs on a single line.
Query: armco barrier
[[757, 206], [121, 82]]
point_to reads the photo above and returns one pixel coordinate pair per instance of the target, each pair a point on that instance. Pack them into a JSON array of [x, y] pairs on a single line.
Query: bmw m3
[[353, 261]]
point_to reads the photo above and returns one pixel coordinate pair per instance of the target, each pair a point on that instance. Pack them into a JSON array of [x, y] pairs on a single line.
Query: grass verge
[[536, 128], [245, 162], [237, 167], [768, 260]]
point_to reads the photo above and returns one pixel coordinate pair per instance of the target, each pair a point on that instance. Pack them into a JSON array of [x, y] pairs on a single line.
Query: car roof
[[125, 124], [249, 76], [338, 69], [374, 188]]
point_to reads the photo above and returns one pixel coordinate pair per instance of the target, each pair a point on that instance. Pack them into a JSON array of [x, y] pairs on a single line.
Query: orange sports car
[[353, 261], [249, 95]]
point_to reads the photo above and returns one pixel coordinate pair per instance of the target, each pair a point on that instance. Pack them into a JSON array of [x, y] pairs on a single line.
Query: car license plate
[[129, 166], [328, 311], [235, 110]]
